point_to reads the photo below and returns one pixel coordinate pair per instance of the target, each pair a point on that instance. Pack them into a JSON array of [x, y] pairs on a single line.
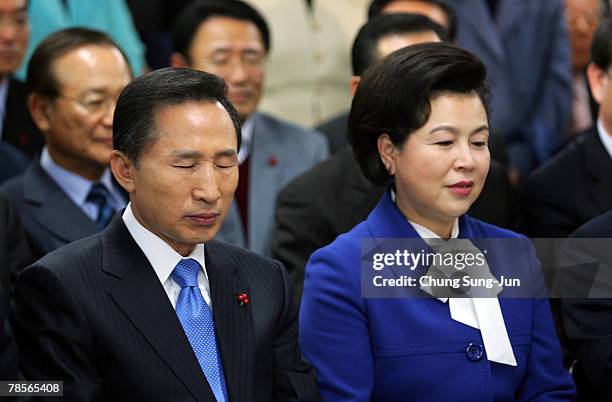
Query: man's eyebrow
[[226, 152], [185, 154]]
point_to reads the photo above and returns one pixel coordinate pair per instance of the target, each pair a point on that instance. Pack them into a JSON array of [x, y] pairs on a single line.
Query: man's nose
[[206, 187]]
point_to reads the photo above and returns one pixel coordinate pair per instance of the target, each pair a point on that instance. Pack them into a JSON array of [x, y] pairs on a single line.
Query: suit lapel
[[48, 204], [141, 297], [233, 323], [264, 182], [599, 165]]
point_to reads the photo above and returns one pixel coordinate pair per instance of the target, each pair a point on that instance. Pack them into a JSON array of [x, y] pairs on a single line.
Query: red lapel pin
[[243, 299], [272, 160]]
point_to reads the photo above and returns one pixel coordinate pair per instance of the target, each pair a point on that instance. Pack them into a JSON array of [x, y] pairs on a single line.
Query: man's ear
[[178, 60], [123, 169], [598, 81], [387, 152], [39, 110], [354, 83]]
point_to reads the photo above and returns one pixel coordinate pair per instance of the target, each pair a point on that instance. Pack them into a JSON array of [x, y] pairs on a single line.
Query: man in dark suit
[[334, 196], [16, 125], [9, 363], [588, 321], [15, 253], [153, 309], [74, 79], [576, 185]]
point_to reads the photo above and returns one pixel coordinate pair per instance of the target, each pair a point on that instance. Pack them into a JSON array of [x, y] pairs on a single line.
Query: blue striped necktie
[[100, 196], [197, 321]]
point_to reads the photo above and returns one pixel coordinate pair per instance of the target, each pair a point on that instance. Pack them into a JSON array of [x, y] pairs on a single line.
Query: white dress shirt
[[247, 139], [605, 137], [164, 258]]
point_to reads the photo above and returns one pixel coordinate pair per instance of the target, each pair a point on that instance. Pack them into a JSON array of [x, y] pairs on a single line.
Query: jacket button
[[474, 352]]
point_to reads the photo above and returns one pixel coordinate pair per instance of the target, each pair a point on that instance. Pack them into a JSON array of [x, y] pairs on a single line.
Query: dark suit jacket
[[50, 218], [9, 364], [19, 129], [95, 315], [15, 253], [569, 190], [334, 196], [13, 162], [588, 322]]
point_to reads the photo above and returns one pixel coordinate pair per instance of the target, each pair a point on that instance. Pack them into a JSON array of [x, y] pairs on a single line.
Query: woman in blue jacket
[[419, 122]]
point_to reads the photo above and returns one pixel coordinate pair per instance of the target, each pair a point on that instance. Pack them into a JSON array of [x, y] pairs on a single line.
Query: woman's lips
[[462, 188]]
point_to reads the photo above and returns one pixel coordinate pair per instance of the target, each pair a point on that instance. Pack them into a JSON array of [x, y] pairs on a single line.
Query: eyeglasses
[[94, 105]]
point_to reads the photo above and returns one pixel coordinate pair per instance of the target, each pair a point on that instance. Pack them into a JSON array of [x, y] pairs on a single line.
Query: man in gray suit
[[74, 79], [232, 40]]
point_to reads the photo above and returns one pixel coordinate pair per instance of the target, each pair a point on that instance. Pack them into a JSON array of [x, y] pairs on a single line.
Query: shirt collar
[[75, 186], [161, 256], [247, 139], [605, 137], [425, 233]]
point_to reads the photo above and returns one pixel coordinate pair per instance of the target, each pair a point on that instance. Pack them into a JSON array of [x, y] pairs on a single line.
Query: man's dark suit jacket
[[50, 218], [95, 315], [15, 252], [9, 363], [570, 189], [13, 162], [588, 322], [18, 128], [334, 196]]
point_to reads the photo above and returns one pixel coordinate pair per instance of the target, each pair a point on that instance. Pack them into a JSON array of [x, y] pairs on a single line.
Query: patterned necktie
[[100, 196], [197, 321]]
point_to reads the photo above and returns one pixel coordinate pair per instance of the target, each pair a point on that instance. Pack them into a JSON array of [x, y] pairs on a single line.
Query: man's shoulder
[[286, 128], [239, 257], [597, 227], [569, 164], [326, 175]]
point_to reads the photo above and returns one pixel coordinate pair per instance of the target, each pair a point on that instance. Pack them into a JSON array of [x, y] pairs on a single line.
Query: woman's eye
[[479, 143]]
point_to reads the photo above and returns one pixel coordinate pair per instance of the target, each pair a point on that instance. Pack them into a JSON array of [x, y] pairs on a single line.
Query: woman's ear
[[387, 152]]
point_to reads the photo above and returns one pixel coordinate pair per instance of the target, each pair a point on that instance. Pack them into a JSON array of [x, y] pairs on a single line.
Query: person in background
[[74, 79], [576, 185], [582, 19], [588, 321], [525, 46], [419, 124], [309, 64], [9, 361], [15, 253], [16, 126], [435, 10], [231, 39], [110, 16]]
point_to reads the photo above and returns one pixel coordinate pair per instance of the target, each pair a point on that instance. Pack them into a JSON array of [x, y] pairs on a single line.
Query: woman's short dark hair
[[134, 120], [40, 67], [394, 97], [188, 22]]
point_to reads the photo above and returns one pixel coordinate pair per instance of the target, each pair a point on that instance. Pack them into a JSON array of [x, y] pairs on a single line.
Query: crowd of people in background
[[293, 72]]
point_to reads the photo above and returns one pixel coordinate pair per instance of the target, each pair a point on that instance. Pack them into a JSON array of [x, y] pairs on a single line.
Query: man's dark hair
[[134, 120], [376, 7], [394, 97], [601, 48], [40, 67], [188, 22], [365, 46]]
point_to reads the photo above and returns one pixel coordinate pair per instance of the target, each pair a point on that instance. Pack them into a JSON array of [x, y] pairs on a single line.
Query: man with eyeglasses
[[231, 40], [74, 79]]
